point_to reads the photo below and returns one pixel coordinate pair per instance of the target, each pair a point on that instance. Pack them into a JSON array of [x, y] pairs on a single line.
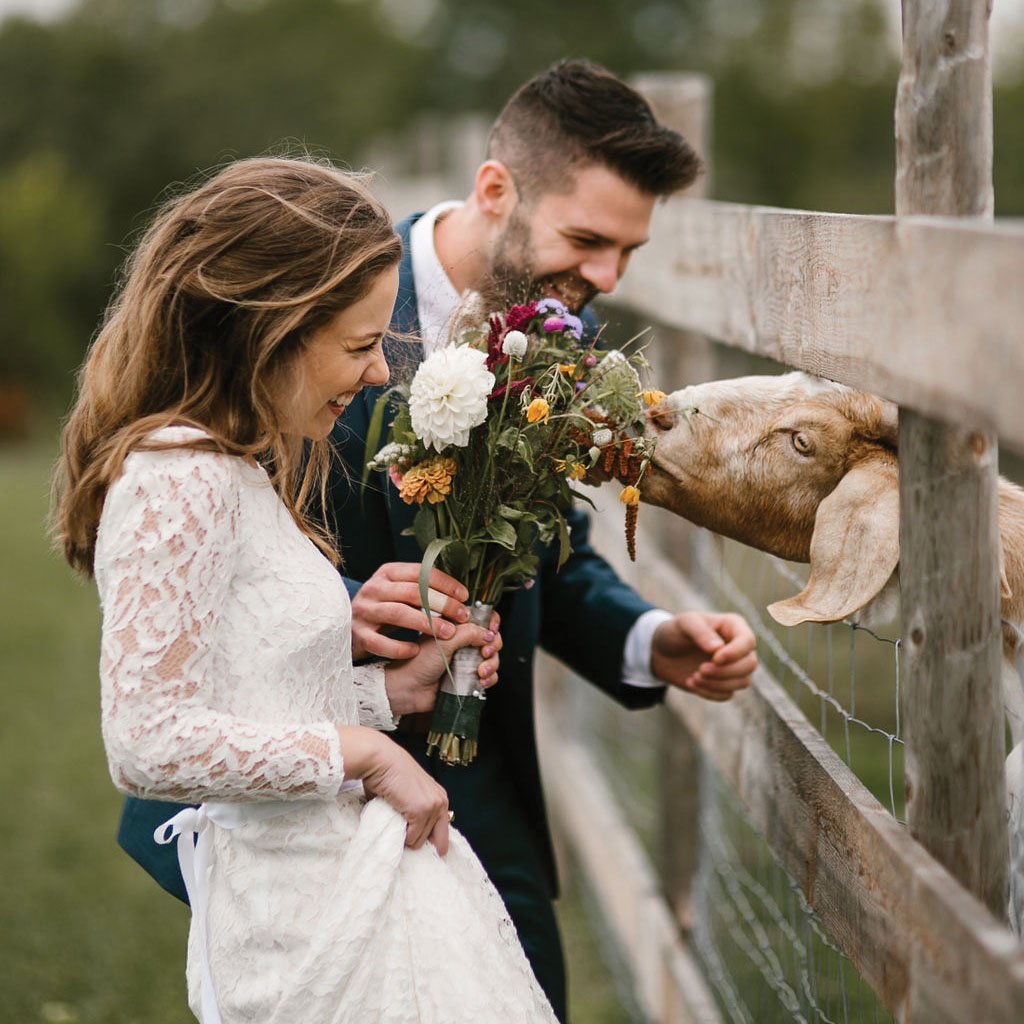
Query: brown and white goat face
[[753, 458], [799, 467]]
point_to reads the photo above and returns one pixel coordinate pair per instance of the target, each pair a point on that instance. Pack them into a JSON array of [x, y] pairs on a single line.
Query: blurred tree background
[[113, 100]]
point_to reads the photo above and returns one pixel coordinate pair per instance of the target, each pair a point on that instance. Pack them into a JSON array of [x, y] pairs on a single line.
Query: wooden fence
[[926, 309]]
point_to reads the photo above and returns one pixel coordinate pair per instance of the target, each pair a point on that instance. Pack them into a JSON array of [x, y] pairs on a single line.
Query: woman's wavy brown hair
[[223, 290]]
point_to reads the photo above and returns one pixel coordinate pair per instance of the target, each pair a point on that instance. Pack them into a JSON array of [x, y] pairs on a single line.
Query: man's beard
[[511, 280]]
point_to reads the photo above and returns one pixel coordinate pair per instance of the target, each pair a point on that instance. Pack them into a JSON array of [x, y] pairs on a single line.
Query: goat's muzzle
[[662, 416]]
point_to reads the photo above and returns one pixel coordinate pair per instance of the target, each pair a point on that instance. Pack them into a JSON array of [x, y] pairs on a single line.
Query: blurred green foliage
[[118, 99]]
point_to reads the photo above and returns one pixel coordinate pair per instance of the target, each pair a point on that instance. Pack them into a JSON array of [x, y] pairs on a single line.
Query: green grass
[[85, 936], [595, 980]]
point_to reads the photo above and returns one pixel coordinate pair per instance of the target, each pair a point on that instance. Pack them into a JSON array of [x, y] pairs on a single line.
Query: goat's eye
[[801, 442]]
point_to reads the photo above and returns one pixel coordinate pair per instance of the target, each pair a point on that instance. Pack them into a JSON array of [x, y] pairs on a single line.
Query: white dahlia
[[448, 397]]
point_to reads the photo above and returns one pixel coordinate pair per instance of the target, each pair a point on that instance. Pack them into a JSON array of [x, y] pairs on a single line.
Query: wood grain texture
[[949, 540], [944, 110], [953, 715], [683, 103], [927, 312]]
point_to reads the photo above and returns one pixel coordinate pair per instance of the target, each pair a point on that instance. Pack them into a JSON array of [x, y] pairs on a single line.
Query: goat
[[807, 470]]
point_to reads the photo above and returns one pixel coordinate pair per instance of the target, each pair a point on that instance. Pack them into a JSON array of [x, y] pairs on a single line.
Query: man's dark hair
[[578, 113]]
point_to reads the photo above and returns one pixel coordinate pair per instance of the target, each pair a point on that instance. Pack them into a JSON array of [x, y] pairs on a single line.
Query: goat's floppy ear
[[855, 546]]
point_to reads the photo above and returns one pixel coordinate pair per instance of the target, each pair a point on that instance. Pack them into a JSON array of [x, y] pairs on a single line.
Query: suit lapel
[[402, 356]]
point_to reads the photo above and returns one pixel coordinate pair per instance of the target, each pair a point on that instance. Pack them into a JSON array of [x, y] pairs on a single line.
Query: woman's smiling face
[[340, 358]]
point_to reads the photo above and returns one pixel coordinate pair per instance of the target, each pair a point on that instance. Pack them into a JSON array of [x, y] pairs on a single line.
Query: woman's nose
[[378, 373]]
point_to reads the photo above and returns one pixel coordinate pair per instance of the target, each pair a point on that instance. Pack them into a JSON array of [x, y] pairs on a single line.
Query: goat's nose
[[662, 416]]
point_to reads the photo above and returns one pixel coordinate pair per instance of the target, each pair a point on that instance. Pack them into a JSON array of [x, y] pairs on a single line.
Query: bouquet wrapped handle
[[455, 727]]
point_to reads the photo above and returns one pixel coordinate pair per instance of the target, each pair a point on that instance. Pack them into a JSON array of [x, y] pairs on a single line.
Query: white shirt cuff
[[636, 658]]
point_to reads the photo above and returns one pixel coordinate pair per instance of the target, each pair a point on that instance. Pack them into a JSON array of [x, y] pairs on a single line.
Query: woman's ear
[[494, 190]]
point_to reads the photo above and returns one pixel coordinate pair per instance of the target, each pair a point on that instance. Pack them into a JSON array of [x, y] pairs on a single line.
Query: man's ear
[[494, 190]]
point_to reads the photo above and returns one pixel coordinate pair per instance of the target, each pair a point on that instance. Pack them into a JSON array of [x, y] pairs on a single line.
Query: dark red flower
[[518, 386], [518, 317], [494, 336]]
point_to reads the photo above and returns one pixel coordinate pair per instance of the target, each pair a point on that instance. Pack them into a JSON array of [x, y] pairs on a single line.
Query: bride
[[324, 882]]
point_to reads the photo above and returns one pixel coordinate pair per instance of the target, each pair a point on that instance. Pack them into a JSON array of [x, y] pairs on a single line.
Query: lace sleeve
[[374, 707], [164, 562]]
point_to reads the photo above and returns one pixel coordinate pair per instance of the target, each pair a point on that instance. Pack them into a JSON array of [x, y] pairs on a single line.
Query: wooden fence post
[[682, 102], [949, 536]]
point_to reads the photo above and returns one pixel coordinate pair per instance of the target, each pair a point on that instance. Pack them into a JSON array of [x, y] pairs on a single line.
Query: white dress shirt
[[436, 304]]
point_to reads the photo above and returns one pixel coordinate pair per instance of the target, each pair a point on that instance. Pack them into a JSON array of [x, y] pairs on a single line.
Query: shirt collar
[[436, 297]]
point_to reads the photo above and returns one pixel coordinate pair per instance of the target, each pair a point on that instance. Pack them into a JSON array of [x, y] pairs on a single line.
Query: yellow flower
[[630, 495], [537, 410], [430, 481], [567, 368], [577, 471], [653, 397], [559, 465]]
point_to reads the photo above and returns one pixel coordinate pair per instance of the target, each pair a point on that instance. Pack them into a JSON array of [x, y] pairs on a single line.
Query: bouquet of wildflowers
[[488, 440]]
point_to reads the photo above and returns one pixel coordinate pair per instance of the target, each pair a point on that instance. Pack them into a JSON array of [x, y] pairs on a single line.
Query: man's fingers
[[729, 669], [409, 572], [738, 635], [389, 648], [396, 615], [408, 595], [436, 601]]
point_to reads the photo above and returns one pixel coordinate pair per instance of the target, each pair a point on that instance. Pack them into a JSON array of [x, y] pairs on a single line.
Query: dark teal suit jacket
[[582, 614]]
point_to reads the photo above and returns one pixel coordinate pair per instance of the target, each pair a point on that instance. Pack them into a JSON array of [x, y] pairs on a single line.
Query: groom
[[575, 164]]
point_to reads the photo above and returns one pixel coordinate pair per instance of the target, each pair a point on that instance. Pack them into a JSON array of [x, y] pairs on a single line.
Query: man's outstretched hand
[[710, 654]]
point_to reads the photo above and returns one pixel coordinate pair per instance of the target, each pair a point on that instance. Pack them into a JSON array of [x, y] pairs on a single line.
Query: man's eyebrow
[[595, 236]]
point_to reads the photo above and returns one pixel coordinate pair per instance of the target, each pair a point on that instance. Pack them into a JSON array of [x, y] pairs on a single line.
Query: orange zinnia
[[537, 410], [430, 481]]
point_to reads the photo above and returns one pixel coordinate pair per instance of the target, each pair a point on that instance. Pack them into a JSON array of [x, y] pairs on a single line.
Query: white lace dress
[[225, 665]]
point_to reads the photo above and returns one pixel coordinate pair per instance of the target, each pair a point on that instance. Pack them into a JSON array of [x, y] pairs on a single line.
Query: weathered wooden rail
[[925, 308]]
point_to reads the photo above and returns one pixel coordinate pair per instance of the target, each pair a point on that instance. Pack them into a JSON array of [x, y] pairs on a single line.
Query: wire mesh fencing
[[845, 676], [764, 952]]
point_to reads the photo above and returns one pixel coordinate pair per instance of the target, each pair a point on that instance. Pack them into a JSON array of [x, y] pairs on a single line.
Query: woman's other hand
[[391, 773], [412, 684]]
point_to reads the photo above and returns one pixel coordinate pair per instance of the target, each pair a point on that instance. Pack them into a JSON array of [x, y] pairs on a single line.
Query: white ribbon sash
[[194, 861]]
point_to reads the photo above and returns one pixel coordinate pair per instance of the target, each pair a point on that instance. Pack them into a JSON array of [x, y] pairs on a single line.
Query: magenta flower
[[554, 323]]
